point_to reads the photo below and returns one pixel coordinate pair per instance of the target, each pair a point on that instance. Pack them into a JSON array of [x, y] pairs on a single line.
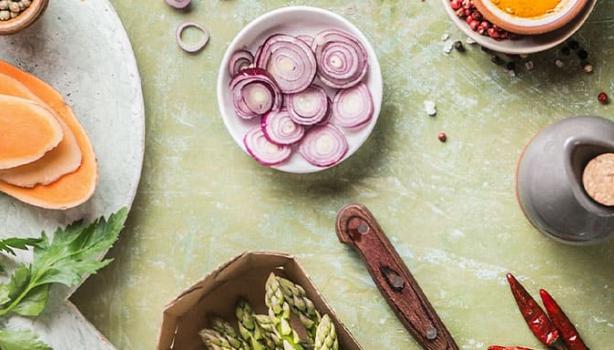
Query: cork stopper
[[598, 179]]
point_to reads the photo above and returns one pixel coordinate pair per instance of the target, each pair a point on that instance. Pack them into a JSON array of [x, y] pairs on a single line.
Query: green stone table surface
[[450, 208]]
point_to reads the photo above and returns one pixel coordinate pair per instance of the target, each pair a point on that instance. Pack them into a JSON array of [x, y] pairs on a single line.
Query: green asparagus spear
[[252, 332], [326, 335], [214, 340], [279, 312], [268, 329], [225, 329], [300, 305]]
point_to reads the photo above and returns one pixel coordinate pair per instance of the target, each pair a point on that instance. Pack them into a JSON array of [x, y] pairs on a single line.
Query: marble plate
[[94, 67]]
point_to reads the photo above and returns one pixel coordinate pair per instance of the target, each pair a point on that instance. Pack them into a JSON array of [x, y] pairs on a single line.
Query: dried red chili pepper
[[568, 331], [534, 315], [499, 347]]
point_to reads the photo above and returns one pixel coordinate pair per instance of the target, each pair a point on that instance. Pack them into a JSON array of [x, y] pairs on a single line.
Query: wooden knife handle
[[357, 227]]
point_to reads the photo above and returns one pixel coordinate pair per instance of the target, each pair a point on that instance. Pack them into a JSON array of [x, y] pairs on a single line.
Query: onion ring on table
[[178, 4], [192, 48]]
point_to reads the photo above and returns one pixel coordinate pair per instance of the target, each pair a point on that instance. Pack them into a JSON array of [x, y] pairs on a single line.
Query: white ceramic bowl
[[295, 20], [526, 44]]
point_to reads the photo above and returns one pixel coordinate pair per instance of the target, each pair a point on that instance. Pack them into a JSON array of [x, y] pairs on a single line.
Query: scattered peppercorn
[[588, 68], [442, 137], [583, 54], [603, 98], [497, 60], [466, 10], [573, 44], [566, 50], [459, 46], [511, 65]]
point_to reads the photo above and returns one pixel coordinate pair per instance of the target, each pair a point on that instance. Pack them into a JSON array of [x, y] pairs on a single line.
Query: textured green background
[[449, 208]]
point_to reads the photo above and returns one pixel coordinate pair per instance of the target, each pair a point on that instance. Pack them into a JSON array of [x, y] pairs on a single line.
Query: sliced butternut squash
[[27, 131], [71, 189], [62, 160]]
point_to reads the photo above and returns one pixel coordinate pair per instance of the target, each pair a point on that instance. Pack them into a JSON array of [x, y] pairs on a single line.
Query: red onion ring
[[309, 106], [254, 93], [307, 39], [329, 113], [178, 4], [342, 59], [280, 129], [191, 48], [239, 60], [263, 151], [289, 60], [324, 146], [352, 107]]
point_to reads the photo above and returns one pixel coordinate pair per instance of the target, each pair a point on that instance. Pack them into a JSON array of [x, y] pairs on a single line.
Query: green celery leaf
[[21, 340], [8, 245], [72, 255], [34, 302]]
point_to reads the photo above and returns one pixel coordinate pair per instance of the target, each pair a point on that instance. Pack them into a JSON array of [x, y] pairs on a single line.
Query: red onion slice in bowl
[[342, 59], [264, 151], [324, 146], [352, 107], [240, 59], [255, 93], [289, 60], [280, 129], [307, 39], [309, 106]]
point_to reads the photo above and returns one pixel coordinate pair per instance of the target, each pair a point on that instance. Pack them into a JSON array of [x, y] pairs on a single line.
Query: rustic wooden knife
[[357, 227]]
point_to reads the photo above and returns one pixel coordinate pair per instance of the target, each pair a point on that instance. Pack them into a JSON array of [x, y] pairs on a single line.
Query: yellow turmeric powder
[[527, 8]]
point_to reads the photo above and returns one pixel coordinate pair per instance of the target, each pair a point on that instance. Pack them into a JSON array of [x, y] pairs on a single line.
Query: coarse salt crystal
[[430, 108]]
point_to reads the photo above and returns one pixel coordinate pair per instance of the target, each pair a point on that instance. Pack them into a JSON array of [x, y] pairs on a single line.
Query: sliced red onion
[[352, 107], [279, 128], [255, 93], [329, 113], [307, 39], [289, 60], [309, 106], [324, 146], [264, 151], [342, 59], [239, 60]]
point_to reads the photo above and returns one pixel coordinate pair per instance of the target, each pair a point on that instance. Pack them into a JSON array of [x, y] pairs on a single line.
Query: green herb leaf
[[21, 340], [7, 245], [72, 255]]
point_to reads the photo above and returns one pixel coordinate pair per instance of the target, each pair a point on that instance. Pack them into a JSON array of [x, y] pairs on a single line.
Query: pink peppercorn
[[603, 98], [456, 4]]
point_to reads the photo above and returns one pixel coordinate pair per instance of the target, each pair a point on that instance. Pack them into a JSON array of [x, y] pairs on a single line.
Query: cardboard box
[[242, 277]]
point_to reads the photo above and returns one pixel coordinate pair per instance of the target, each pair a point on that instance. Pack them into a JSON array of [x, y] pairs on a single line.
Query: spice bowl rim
[[526, 44], [293, 18], [25, 19]]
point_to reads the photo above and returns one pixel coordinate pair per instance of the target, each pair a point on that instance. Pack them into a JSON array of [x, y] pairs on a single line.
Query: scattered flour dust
[[473, 344]]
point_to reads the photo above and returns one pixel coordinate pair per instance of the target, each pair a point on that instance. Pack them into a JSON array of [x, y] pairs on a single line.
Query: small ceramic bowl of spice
[[16, 15], [530, 17]]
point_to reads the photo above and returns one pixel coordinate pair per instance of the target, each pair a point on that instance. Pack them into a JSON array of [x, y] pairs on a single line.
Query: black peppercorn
[[459, 46], [511, 65], [583, 54], [573, 44], [566, 50]]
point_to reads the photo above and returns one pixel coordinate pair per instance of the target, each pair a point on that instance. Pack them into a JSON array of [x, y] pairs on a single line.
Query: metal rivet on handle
[[363, 228], [431, 333]]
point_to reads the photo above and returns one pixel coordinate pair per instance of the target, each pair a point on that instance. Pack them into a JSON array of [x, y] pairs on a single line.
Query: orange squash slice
[[27, 131], [73, 188]]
